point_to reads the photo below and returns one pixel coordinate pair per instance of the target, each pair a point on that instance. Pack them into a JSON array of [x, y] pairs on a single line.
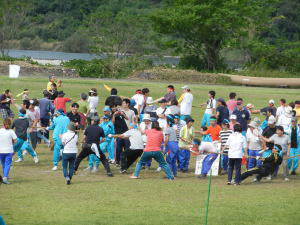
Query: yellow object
[[181, 98], [18, 95], [107, 87]]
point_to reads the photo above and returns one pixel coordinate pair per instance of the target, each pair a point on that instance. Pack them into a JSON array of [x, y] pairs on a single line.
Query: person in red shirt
[[214, 129], [155, 138], [60, 101]]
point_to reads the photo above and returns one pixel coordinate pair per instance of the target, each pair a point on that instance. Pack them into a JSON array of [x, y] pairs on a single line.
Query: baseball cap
[[272, 102], [271, 120], [249, 106], [106, 109], [225, 121], [233, 117], [146, 117], [185, 87]]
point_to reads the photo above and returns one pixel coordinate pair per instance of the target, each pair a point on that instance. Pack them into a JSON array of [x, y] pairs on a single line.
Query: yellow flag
[[107, 87], [18, 95]]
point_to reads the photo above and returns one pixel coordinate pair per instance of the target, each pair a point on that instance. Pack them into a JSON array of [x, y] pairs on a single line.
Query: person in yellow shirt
[[52, 80], [297, 109]]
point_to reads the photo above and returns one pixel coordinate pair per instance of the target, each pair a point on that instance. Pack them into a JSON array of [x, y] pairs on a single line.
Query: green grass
[[39, 196]]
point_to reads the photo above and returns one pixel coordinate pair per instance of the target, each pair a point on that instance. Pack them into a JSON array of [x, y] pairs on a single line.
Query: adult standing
[[264, 110], [59, 126], [231, 103], [224, 135], [242, 116], [153, 151], [236, 143], [294, 134], [46, 109], [83, 109], [5, 101], [129, 113], [161, 113], [92, 135], [69, 140], [74, 116], [52, 82], [60, 101], [93, 101], [170, 96], [210, 110], [186, 103], [7, 138]]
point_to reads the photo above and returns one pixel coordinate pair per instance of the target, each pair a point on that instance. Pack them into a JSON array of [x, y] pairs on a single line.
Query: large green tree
[[207, 26]]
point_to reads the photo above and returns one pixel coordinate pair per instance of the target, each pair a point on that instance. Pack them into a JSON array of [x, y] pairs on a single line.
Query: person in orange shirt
[[214, 129]]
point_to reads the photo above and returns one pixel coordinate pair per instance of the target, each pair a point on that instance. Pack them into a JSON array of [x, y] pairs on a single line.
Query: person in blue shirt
[[59, 126], [46, 109], [243, 116]]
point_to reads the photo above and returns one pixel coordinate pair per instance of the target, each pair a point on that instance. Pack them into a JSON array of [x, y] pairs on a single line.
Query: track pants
[[184, 159], [129, 156], [6, 160], [205, 120], [260, 171], [172, 155], [56, 152], [293, 162], [207, 163], [159, 157], [225, 161], [252, 163], [23, 145]]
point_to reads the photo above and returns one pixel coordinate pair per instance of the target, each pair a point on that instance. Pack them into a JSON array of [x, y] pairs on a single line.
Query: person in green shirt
[[83, 108]]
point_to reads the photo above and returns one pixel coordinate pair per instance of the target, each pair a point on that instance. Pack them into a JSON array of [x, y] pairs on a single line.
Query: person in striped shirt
[[224, 134]]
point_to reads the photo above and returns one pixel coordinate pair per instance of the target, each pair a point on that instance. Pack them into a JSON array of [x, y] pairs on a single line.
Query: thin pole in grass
[[208, 197]]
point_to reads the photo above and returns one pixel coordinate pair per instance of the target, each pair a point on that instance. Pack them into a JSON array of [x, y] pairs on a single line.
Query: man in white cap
[[186, 103], [150, 109], [267, 108], [233, 121]]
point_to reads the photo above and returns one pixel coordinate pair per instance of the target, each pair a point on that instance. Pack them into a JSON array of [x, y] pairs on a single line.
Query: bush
[[110, 67], [76, 43]]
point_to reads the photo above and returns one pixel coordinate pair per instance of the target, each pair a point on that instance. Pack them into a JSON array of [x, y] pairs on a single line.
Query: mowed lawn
[[38, 195]]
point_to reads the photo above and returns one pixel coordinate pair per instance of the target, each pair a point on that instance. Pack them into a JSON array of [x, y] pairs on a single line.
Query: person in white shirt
[[69, 141], [139, 99], [236, 143], [186, 103], [281, 109], [7, 138], [210, 110], [254, 145], [129, 156], [93, 101], [129, 113], [285, 119], [161, 113]]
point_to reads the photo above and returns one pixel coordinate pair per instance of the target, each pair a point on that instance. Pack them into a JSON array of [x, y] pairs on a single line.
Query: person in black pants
[[92, 135], [118, 119], [268, 167]]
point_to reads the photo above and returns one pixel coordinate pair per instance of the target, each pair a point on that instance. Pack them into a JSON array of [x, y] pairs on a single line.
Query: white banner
[[14, 71]]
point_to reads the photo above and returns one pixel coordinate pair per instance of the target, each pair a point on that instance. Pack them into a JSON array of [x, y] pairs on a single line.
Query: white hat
[[271, 120], [288, 111], [252, 124], [149, 100], [185, 87], [233, 117], [146, 117], [272, 102], [249, 106]]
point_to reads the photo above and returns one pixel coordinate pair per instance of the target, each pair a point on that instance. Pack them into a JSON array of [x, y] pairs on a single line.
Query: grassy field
[[38, 195]]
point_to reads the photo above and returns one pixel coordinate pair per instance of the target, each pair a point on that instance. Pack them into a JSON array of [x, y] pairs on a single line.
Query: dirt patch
[[28, 69], [189, 76]]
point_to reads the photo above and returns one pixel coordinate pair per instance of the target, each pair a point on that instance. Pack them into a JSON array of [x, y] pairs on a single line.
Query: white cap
[[252, 124], [233, 117], [272, 102], [185, 87], [271, 120], [146, 117], [249, 106], [149, 100]]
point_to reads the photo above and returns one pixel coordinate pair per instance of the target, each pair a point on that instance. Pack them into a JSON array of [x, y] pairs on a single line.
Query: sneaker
[[5, 181], [109, 174], [236, 184], [158, 169], [202, 176], [293, 173], [269, 177], [25, 152], [95, 170], [55, 168], [134, 177], [89, 169], [286, 179], [49, 144], [123, 171], [254, 180], [228, 183], [112, 161], [19, 160], [68, 181], [35, 159]]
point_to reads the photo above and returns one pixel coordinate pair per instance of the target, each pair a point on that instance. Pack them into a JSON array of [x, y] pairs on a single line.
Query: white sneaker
[[25, 152], [158, 169], [254, 180], [112, 161], [19, 160], [35, 159], [55, 168], [87, 169], [269, 177], [95, 170], [286, 179]]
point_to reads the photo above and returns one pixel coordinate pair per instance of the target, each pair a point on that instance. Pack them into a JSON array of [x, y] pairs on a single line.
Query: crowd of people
[[139, 129]]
